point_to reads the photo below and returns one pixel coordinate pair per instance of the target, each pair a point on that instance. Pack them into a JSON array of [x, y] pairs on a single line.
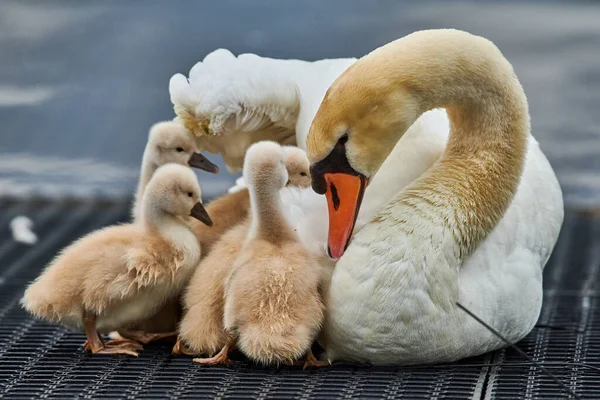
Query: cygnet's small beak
[[199, 212], [197, 160]]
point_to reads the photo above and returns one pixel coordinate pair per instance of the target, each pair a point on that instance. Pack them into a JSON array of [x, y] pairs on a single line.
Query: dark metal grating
[[43, 361]]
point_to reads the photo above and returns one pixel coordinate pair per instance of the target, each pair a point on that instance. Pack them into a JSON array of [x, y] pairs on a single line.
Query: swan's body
[[378, 310], [466, 231], [501, 282]]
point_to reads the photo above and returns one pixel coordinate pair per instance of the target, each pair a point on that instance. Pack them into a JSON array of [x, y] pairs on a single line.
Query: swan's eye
[[343, 139], [179, 149], [190, 194], [302, 173]]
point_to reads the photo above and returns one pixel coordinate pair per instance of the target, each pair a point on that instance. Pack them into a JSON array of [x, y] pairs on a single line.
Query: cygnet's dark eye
[[179, 149], [343, 139], [302, 173], [190, 194]]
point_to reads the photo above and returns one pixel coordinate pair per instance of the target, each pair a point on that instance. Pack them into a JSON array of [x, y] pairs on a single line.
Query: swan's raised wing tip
[[218, 56], [178, 89]]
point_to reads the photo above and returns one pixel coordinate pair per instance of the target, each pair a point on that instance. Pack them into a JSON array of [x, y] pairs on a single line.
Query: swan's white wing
[[231, 102], [238, 93]]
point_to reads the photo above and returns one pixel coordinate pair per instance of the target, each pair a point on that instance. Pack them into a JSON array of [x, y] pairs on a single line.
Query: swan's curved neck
[[472, 185], [268, 219]]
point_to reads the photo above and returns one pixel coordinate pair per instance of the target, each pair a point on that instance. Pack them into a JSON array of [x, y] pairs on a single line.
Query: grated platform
[[43, 361]]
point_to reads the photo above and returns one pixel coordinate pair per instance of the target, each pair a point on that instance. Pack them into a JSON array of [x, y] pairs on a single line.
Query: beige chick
[[117, 276], [229, 210], [273, 311], [201, 330], [168, 142]]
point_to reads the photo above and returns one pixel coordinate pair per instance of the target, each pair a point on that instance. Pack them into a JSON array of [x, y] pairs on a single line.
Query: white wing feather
[[232, 102]]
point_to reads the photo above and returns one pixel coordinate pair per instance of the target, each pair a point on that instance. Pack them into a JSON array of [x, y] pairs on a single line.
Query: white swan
[[477, 228], [379, 309]]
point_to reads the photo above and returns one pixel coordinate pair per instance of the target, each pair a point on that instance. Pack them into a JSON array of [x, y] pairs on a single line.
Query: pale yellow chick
[[273, 310], [229, 210], [116, 277]]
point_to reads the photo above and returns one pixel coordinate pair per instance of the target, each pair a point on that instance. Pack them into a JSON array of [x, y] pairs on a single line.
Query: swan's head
[[360, 120], [264, 167], [174, 189], [171, 142], [298, 167]]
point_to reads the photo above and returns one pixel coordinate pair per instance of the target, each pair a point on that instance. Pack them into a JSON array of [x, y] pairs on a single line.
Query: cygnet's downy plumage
[[273, 310], [201, 330], [117, 276]]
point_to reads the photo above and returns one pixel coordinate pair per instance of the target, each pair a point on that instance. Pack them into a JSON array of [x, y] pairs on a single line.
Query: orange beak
[[344, 196]]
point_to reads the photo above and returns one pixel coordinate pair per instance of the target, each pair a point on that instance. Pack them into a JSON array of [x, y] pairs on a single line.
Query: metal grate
[[43, 361]]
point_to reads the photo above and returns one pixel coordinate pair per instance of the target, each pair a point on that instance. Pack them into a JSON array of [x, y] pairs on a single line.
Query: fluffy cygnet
[[168, 142], [273, 310], [117, 276], [230, 209]]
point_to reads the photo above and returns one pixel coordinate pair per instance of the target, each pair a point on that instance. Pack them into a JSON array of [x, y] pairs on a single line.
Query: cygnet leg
[[222, 357], [96, 345], [145, 337], [94, 342], [181, 349], [312, 361]]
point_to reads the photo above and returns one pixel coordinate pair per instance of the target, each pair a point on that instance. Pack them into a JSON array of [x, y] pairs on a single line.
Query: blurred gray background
[[81, 82]]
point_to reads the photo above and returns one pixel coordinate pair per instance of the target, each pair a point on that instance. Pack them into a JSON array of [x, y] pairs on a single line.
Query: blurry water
[[81, 82]]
